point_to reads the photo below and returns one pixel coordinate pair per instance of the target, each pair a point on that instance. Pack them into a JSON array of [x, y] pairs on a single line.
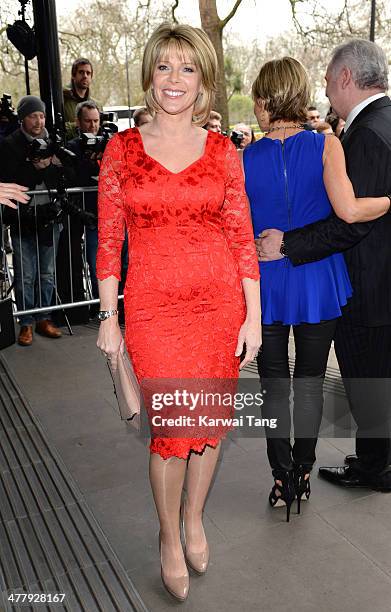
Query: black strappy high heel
[[301, 484], [286, 492]]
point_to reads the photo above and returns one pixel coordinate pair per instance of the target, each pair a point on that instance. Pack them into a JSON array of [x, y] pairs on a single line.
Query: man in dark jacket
[[357, 78], [34, 238], [78, 91]]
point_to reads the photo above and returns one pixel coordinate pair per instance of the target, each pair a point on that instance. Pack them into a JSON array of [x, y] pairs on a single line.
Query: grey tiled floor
[[336, 556]]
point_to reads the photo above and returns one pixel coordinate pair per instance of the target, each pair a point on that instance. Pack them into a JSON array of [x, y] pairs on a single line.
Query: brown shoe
[[46, 328], [25, 337]]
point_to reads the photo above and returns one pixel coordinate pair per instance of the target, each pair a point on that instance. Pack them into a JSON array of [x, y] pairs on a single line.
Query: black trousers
[[364, 358], [312, 346]]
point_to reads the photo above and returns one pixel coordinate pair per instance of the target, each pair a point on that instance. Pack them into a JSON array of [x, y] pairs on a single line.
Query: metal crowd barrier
[[76, 195]]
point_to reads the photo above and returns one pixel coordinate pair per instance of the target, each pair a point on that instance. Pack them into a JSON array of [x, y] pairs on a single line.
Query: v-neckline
[[196, 161]]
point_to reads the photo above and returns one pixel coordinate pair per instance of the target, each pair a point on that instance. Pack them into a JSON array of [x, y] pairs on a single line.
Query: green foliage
[[241, 108]]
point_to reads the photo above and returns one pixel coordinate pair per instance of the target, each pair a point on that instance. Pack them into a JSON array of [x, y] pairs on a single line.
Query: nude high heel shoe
[[198, 561], [177, 586]]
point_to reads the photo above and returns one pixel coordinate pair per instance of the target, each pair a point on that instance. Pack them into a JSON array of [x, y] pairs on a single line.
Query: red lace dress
[[190, 244]]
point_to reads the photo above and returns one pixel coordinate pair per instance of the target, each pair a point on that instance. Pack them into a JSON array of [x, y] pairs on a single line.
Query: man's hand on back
[[268, 245]]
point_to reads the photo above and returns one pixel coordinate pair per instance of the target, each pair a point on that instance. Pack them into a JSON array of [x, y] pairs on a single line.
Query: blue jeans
[[27, 253]]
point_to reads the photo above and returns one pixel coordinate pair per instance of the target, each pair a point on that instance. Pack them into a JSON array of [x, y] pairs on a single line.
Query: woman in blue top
[[295, 177]]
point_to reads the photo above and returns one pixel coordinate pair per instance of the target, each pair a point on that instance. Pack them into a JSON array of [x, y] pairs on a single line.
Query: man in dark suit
[[356, 81]]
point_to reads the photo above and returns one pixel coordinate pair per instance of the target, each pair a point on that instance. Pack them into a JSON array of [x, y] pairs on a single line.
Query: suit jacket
[[366, 246]]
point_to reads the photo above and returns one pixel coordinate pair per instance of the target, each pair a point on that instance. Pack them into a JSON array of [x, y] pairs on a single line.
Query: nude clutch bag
[[126, 389]]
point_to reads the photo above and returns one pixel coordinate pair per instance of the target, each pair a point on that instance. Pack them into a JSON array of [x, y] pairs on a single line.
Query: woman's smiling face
[[176, 83]]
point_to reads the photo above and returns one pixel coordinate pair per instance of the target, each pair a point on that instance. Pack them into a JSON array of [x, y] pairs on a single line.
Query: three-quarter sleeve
[[111, 218], [236, 217]]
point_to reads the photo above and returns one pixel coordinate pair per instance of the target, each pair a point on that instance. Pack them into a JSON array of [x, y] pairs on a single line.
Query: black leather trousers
[[312, 345]]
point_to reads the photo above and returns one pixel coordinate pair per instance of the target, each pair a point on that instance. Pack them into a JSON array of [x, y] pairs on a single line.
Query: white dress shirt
[[357, 109]]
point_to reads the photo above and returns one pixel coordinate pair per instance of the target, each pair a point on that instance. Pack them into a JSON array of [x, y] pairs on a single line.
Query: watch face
[[101, 316]]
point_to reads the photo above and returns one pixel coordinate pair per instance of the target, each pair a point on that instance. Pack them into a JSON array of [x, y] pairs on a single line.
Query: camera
[[91, 143], [60, 205], [106, 118], [42, 148], [237, 138], [7, 111], [107, 123], [9, 121]]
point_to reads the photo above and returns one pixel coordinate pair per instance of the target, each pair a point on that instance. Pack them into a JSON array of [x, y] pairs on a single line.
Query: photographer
[[8, 117], [9, 122], [141, 116], [313, 119], [242, 135], [214, 122], [88, 123], [34, 238], [95, 131]]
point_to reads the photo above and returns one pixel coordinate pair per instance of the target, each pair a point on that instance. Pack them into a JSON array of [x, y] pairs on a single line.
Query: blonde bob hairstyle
[[284, 88], [192, 44]]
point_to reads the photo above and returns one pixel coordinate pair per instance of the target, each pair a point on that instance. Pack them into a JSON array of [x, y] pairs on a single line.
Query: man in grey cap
[[34, 240], [29, 105]]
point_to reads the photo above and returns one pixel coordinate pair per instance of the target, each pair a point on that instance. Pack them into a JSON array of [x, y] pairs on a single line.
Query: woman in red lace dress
[[192, 289]]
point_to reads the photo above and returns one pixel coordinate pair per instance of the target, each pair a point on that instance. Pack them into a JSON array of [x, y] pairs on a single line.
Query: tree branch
[[64, 33], [173, 9], [295, 19], [223, 22]]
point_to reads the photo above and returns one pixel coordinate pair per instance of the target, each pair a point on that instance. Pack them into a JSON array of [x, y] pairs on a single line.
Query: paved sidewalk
[[335, 557]]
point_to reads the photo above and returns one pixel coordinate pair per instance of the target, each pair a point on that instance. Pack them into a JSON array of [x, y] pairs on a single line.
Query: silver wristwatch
[[105, 314]]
